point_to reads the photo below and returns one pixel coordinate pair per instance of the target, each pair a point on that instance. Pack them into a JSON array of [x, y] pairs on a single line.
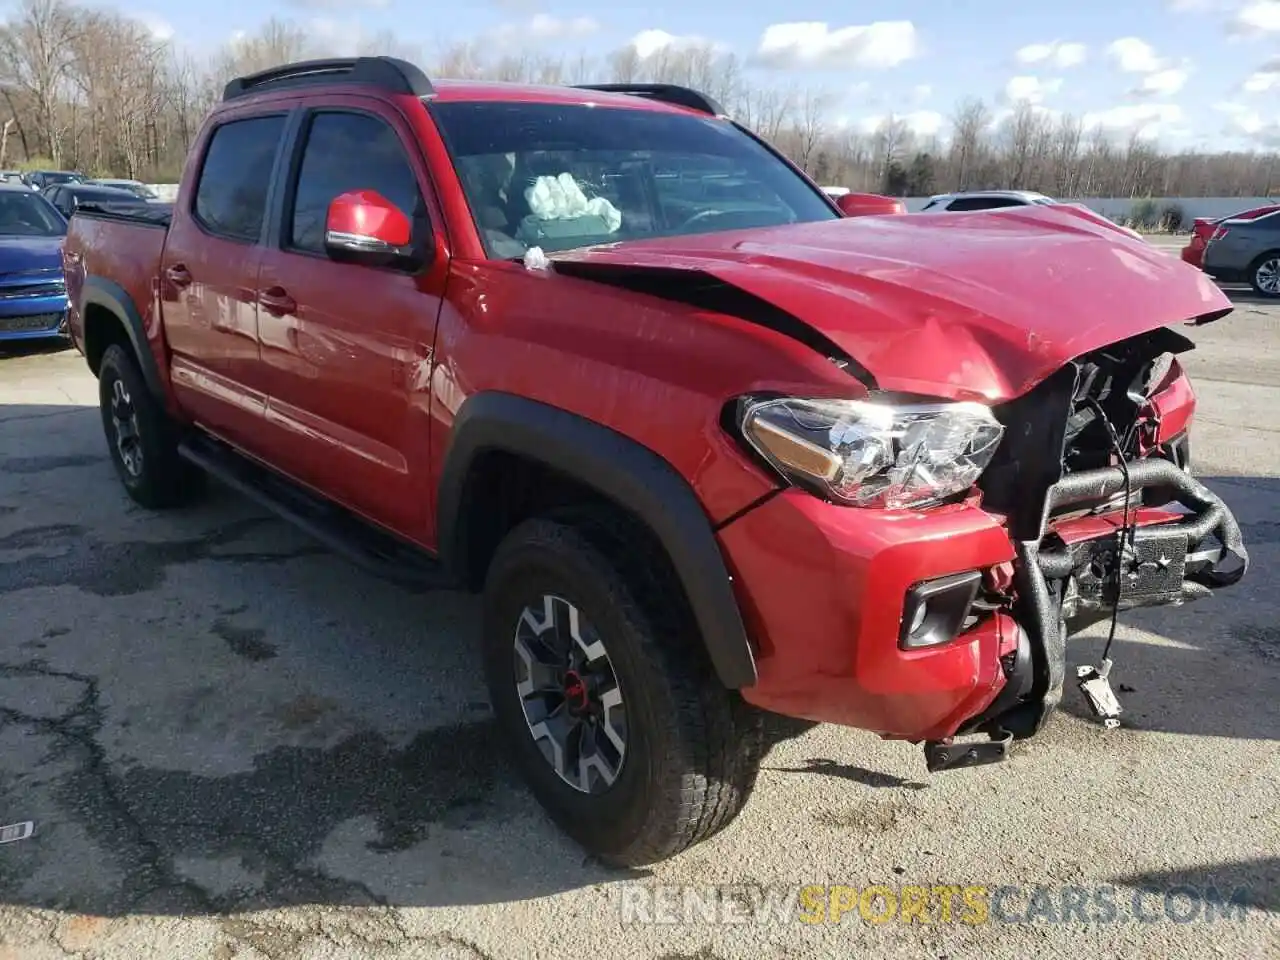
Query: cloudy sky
[[1190, 72]]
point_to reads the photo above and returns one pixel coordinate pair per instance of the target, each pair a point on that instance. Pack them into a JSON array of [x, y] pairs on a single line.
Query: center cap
[[575, 691]]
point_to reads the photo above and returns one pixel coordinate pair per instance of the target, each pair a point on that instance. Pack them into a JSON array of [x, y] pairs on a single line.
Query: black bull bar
[[1159, 564]]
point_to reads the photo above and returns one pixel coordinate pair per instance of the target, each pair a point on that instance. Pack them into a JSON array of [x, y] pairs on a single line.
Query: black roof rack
[[396, 76], [665, 92]]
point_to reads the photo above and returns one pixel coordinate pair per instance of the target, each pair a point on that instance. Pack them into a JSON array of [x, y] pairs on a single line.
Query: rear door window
[[231, 195]]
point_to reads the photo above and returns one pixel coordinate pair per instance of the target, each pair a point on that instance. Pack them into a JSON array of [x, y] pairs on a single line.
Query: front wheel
[[141, 437], [1264, 275], [614, 717]]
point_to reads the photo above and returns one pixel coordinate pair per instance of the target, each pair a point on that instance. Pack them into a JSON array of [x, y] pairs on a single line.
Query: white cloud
[[1057, 53], [1260, 15], [1030, 89], [158, 27], [1243, 121], [923, 123], [1266, 77], [1134, 55], [1144, 119], [1003, 115], [1162, 82], [334, 5], [340, 38], [923, 91], [1261, 82], [879, 45], [648, 42], [543, 27]]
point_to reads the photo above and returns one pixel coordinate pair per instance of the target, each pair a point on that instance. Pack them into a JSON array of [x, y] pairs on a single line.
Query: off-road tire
[[693, 747], [163, 479]]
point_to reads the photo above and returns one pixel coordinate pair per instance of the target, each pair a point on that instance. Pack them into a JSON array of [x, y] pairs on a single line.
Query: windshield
[[24, 214], [49, 178], [560, 176]]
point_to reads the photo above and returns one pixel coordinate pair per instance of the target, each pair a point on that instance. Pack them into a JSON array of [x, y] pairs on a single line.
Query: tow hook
[[947, 754]]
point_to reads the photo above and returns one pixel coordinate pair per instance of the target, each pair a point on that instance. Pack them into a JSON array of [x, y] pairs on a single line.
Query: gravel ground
[[233, 745]]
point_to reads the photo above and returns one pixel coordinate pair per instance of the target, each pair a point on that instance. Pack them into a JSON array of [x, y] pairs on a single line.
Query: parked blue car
[[33, 293]]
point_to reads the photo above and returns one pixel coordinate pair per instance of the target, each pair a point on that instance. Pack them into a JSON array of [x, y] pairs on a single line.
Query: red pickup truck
[[708, 447]]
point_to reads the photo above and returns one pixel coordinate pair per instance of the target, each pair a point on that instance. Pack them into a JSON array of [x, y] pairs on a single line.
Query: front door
[[346, 348]]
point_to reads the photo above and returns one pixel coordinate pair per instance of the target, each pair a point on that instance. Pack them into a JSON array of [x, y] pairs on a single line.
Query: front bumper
[[825, 589], [33, 318]]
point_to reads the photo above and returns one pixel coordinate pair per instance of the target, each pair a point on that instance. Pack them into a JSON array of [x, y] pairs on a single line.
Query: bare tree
[[969, 129], [810, 129], [91, 88], [37, 52]]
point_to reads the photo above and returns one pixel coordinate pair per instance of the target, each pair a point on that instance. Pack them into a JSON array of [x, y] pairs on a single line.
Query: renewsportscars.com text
[[968, 904]]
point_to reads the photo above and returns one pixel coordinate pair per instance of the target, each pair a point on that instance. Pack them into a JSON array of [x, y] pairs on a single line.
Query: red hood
[[975, 306]]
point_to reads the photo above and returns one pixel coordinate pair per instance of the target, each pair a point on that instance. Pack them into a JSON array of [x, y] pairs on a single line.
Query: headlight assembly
[[867, 454]]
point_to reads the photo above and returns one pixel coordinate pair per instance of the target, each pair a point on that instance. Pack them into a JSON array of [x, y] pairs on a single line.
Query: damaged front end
[[1094, 479]]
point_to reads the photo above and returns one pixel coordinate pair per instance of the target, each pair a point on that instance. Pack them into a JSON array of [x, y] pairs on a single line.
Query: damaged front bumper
[[1084, 570], [833, 597]]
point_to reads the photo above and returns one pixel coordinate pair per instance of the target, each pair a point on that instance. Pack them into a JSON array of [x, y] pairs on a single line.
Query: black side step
[[374, 550]]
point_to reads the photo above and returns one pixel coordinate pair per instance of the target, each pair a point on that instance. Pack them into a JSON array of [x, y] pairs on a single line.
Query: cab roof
[[395, 77], [447, 91]]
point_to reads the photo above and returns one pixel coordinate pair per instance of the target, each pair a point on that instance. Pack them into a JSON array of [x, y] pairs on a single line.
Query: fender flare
[[621, 469], [104, 293]]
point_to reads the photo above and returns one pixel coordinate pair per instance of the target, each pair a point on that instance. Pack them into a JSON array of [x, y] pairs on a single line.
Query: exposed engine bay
[[1094, 476]]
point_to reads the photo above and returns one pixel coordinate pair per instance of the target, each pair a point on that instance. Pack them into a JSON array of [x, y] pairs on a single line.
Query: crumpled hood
[[966, 306]]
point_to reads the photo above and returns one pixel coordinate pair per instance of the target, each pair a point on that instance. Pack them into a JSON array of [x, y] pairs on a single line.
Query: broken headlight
[[868, 454]]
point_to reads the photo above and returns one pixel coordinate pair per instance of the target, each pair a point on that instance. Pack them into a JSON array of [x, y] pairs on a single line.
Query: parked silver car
[[971, 200], [1246, 251]]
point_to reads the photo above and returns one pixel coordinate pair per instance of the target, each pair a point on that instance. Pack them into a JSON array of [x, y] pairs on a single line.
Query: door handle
[[277, 302], [178, 275]]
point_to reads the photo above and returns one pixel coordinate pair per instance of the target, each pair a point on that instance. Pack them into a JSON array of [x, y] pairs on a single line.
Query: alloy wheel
[[570, 694], [1267, 275], [124, 421]]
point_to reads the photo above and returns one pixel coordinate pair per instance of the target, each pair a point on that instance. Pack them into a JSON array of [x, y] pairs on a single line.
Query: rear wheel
[[1264, 274], [142, 439], [614, 717]]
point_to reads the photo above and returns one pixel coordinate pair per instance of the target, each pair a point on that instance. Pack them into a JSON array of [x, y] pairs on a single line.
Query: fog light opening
[[936, 611]]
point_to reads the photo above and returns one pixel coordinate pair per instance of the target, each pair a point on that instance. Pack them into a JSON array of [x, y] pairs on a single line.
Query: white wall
[[1117, 208]]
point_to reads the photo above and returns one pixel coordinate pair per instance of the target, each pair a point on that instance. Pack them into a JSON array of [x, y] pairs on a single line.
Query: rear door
[[209, 272], [346, 348]]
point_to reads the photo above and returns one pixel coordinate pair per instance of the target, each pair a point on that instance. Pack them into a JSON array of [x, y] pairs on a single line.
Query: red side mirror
[[869, 205], [363, 221]]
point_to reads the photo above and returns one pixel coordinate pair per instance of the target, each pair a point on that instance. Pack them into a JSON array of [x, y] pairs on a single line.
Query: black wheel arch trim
[[619, 468], [98, 291]]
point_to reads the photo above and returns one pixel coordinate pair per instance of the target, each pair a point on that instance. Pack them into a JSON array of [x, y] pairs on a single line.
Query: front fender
[[620, 469]]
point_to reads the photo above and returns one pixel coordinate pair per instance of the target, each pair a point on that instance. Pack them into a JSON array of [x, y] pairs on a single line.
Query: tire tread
[[712, 737]]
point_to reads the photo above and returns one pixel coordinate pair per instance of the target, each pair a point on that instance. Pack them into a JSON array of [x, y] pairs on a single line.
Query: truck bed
[[113, 251], [153, 214]]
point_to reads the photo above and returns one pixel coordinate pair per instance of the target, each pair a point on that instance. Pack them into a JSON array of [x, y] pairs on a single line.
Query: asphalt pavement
[[232, 744]]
